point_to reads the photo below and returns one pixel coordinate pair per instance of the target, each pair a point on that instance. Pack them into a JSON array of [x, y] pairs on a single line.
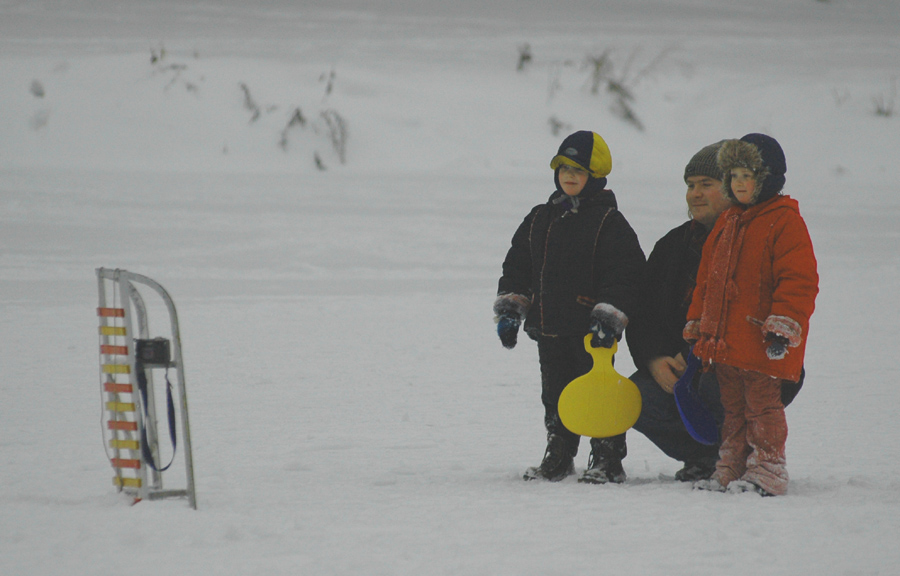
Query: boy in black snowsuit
[[575, 265]]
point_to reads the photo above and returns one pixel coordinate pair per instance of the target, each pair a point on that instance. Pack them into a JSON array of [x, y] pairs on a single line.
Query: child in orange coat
[[749, 317]]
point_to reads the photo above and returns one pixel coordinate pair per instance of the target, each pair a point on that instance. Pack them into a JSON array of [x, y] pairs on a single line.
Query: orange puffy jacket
[[757, 275]]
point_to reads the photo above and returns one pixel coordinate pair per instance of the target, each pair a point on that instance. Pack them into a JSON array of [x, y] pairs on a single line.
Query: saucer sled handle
[[601, 403]]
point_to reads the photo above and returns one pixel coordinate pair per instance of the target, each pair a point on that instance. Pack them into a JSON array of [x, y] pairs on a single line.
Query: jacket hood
[[760, 154], [780, 202], [587, 199], [592, 185]]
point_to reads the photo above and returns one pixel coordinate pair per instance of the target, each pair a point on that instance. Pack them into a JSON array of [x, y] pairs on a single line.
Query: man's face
[[705, 200]]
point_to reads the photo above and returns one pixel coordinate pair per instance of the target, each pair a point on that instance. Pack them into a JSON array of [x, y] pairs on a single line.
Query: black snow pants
[[562, 360]]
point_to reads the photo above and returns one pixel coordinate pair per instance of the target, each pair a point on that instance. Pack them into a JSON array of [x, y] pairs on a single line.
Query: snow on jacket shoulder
[[758, 262], [568, 261]]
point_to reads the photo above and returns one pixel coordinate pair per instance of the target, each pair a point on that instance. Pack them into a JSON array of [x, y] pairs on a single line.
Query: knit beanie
[[760, 154], [704, 163]]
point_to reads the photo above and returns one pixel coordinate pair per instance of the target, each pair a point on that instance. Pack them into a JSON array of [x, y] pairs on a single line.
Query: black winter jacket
[[567, 261], [656, 329]]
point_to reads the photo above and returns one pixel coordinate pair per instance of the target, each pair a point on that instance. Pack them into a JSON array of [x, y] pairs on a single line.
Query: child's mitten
[[781, 332], [691, 332], [604, 336], [777, 349], [607, 323], [508, 330], [509, 312]]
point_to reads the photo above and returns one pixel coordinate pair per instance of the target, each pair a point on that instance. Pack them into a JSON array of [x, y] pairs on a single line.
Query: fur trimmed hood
[[760, 154]]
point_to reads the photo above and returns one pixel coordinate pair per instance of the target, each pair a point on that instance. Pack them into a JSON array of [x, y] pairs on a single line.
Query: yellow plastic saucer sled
[[601, 403]]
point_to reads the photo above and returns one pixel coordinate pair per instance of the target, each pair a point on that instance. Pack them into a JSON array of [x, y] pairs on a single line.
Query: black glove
[[508, 330], [777, 349], [604, 335]]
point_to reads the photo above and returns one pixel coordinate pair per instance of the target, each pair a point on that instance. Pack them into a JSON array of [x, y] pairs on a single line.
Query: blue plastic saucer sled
[[696, 416], [602, 403]]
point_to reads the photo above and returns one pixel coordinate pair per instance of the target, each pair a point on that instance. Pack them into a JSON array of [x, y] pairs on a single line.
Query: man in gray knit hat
[[654, 335], [704, 186]]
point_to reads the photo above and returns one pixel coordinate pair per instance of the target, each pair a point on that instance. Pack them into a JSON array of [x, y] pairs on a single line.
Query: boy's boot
[[559, 459], [605, 463]]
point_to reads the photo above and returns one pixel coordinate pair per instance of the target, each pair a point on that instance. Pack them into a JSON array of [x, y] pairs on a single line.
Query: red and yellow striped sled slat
[[116, 368], [112, 331], [117, 388], [127, 482], [113, 350], [122, 425], [120, 406], [111, 312], [124, 444]]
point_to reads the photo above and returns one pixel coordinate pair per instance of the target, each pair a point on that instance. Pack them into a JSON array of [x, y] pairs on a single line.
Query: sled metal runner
[[131, 430]]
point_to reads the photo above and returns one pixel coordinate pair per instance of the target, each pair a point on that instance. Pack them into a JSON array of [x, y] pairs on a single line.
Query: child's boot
[[605, 462], [741, 486], [710, 485], [558, 462]]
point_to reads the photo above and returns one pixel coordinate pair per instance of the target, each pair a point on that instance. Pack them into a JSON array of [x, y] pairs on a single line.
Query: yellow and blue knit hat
[[584, 149]]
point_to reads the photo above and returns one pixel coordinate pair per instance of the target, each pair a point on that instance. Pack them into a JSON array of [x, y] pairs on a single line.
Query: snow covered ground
[[352, 410]]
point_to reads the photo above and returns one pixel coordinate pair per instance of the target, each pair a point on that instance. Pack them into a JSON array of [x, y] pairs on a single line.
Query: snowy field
[[352, 409]]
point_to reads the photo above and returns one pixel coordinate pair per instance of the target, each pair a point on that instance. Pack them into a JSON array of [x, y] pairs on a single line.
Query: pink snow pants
[[754, 432]]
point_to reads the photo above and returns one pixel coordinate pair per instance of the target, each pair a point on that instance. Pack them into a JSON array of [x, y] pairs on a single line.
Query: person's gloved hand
[[607, 324], [691, 332], [777, 349], [781, 333], [509, 312], [508, 330], [604, 335]]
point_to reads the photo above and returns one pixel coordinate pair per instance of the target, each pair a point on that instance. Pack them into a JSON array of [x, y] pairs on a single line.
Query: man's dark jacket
[[656, 329]]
